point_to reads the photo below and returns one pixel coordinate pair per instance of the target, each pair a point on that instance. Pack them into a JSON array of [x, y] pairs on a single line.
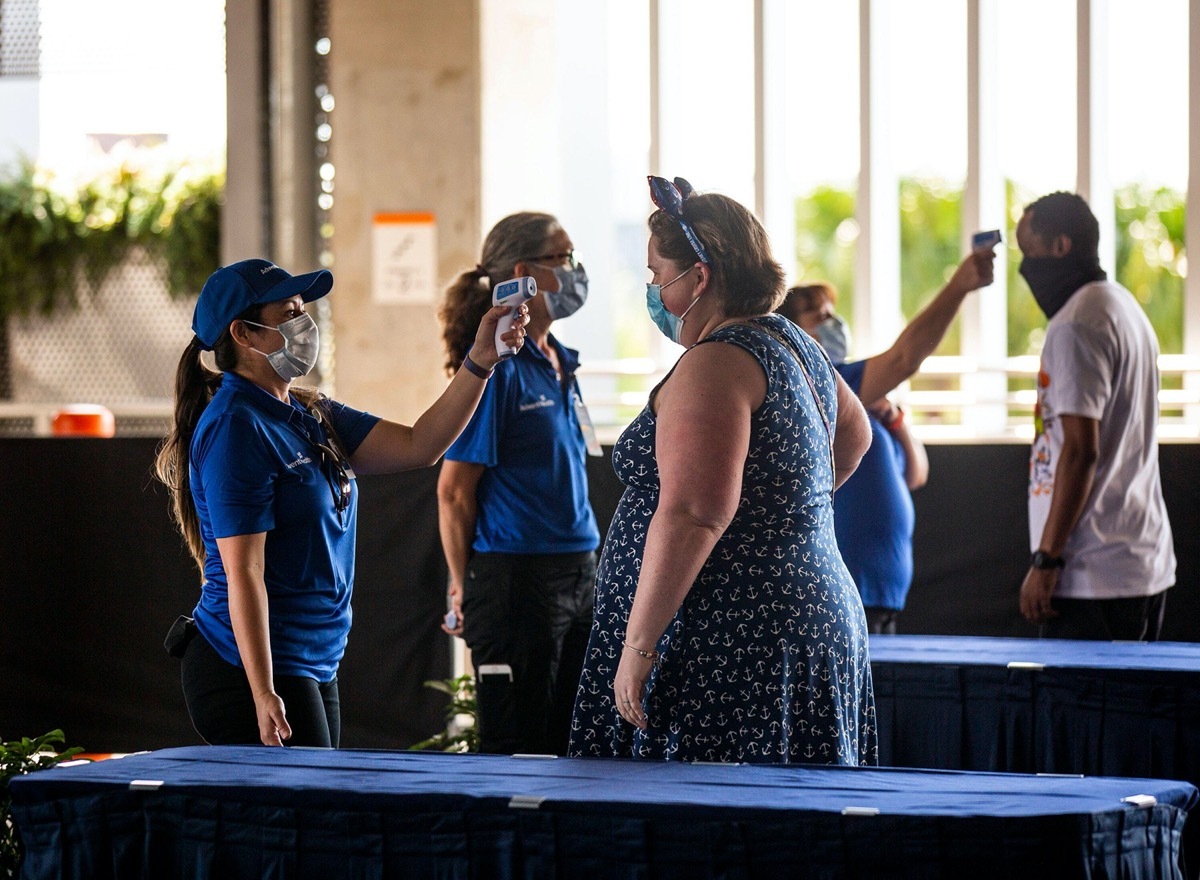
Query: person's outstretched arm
[[883, 372], [391, 446]]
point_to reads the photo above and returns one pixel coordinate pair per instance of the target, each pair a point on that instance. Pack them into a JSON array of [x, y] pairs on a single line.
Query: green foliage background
[[51, 240]]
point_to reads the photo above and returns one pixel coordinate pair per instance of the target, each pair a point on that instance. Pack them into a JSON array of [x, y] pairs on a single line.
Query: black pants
[[881, 621], [221, 705], [1138, 619], [531, 614]]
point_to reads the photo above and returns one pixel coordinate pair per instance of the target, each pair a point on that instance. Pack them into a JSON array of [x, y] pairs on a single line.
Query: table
[[254, 812], [1039, 705]]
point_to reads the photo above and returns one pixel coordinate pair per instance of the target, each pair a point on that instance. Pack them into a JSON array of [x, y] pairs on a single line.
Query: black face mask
[[1054, 279]]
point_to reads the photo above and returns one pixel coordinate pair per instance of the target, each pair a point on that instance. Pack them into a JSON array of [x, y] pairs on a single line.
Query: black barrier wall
[[92, 573]]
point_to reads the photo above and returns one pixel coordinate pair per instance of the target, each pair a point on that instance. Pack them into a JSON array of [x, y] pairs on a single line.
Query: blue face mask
[[670, 325], [834, 336], [572, 291]]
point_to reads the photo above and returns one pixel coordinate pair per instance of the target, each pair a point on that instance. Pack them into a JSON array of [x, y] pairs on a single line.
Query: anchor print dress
[[766, 660]]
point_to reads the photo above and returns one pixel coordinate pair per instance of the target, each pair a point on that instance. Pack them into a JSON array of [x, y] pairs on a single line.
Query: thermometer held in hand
[[510, 293]]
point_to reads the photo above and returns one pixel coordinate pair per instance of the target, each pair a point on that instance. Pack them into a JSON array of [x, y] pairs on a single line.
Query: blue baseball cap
[[234, 288]]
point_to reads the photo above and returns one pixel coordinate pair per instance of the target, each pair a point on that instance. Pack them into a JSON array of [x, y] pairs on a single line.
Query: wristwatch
[[1043, 561]]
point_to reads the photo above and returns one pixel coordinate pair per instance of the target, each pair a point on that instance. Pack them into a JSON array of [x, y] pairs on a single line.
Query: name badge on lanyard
[[587, 428]]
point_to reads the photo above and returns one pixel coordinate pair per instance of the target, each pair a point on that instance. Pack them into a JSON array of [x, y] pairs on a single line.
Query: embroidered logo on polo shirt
[[301, 458], [542, 401]]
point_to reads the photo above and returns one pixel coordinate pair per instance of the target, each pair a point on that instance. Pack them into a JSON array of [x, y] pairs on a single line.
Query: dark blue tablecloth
[[1023, 653], [256, 812], [1041, 706]]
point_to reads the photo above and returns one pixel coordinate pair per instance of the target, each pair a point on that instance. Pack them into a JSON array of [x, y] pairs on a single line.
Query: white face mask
[[301, 344], [834, 335]]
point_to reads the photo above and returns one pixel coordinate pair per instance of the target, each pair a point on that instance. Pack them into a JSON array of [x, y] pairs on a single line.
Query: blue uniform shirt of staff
[[532, 496], [256, 467], [874, 515]]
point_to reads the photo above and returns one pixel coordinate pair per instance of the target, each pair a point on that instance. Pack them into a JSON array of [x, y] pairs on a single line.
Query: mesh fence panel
[[19, 38], [119, 349]]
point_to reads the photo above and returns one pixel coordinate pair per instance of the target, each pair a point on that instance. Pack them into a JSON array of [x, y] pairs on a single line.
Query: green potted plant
[[461, 733], [17, 758]]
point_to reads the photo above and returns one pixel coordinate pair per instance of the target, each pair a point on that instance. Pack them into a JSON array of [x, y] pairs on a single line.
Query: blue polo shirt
[[255, 467], [873, 515], [533, 495]]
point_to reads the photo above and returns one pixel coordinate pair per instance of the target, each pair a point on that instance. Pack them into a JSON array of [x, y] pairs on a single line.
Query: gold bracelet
[[653, 656]]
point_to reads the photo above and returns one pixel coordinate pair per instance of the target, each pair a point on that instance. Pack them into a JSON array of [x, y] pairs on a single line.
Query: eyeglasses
[[335, 468], [565, 259], [670, 197]]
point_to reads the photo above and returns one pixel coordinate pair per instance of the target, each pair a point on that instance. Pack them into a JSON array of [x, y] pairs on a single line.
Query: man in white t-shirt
[[1103, 554]]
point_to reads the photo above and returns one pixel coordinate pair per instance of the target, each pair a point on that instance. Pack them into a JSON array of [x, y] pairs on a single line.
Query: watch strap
[[1043, 561]]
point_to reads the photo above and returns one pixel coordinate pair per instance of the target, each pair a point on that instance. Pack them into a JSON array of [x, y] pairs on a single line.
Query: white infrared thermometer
[[511, 294]]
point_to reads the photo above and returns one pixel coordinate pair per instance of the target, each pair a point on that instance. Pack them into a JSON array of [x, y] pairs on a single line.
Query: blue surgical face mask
[[670, 325], [301, 344], [834, 336], [572, 291]]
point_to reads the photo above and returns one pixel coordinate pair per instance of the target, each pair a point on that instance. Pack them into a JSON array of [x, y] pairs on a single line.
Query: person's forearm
[[391, 446], [456, 526], [1073, 479], [249, 616], [677, 545], [924, 333], [916, 461], [439, 425]]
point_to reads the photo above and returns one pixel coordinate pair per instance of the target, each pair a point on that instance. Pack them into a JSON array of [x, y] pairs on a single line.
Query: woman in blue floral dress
[[726, 625]]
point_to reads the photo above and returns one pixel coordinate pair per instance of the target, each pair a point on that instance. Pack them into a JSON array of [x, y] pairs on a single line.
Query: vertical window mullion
[[877, 271], [655, 88], [984, 315], [776, 201], [1093, 181], [760, 162], [1191, 289]]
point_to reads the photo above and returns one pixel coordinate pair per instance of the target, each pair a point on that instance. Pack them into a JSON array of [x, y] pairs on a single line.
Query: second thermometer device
[[510, 293]]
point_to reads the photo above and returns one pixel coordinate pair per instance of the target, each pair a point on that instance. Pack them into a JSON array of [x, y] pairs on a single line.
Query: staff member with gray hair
[[517, 527]]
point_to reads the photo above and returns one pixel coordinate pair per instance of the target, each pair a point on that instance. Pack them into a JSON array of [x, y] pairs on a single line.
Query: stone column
[[405, 75]]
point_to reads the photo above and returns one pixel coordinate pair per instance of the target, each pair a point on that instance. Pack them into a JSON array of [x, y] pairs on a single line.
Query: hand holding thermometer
[[510, 293]]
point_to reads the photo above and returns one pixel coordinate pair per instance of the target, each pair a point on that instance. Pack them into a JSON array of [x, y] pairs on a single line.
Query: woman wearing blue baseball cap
[[262, 476]]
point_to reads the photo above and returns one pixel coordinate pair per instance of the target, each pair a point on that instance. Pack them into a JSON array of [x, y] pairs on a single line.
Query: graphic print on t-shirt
[[1041, 465]]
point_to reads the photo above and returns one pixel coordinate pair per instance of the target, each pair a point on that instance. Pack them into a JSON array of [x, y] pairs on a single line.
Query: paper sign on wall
[[404, 258]]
